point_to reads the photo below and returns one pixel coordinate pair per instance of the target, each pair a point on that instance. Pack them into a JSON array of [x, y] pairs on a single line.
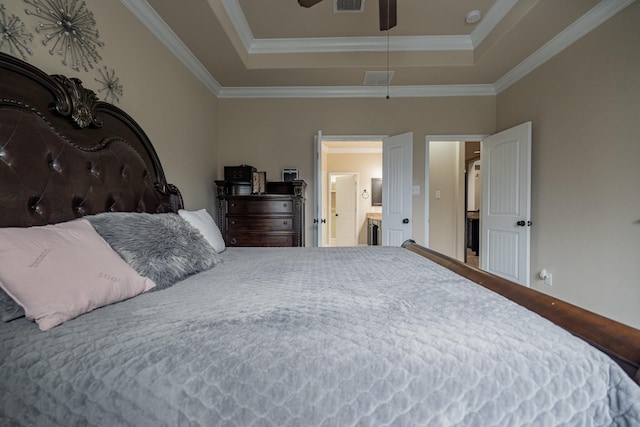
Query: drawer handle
[[233, 222], [234, 241], [233, 205], [285, 222], [284, 204]]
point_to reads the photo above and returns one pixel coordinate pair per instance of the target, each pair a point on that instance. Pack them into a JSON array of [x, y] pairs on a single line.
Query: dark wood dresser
[[275, 218]]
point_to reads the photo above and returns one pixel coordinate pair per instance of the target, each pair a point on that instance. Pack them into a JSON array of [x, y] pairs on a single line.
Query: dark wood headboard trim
[[84, 109], [75, 117], [618, 341]]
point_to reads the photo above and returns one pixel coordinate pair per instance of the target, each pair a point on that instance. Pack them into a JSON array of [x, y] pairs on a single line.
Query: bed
[[256, 336]]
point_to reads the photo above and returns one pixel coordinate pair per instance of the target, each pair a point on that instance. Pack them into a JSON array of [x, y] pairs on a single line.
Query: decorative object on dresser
[[275, 218], [240, 178], [290, 174], [259, 182]]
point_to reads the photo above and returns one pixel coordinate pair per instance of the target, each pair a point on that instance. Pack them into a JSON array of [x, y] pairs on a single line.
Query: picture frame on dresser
[[290, 174]]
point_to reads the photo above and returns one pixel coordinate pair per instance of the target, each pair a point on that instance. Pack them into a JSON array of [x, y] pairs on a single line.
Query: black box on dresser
[[242, 173], [275, 218]]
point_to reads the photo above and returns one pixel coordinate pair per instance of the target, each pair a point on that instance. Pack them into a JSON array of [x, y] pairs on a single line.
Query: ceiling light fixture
[[473, 16]]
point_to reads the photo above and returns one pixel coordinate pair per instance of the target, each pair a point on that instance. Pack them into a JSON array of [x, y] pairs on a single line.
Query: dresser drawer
[[259, 224], [274, 218], [256, 207], [260, 239]]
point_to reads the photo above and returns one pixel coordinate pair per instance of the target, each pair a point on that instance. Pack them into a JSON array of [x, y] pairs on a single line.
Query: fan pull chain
[[387, 59]]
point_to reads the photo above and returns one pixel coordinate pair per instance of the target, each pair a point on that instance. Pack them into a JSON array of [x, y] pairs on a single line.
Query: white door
[[505, 211], [317, 191], [345, 216], [397, 182]]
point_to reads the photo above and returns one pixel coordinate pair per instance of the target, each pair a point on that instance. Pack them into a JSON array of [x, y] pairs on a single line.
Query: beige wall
[[367, 165], [585, 109], [271, 134], [176, 111], [446, 212]]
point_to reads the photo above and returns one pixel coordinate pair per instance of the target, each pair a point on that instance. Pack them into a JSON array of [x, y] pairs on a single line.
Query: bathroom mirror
[[376, 191]]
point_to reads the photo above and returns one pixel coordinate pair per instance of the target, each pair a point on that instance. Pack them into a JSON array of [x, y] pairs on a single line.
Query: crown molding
[[365, 44], [361, 44], [574, 32], [239, 22], [357, 91], [600, 13], [150, 18], [488, 23]]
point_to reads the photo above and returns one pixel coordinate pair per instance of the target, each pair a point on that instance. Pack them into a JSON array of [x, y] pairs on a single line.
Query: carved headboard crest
[[78, 103]]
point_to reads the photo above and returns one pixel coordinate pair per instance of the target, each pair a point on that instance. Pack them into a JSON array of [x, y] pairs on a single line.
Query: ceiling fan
[[388, 12]]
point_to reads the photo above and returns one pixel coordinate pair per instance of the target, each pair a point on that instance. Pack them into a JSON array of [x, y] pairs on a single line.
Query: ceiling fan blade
[[388, 14], [308, 3]]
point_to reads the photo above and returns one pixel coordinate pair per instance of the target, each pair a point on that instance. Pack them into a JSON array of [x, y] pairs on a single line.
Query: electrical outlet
[[546, 276]]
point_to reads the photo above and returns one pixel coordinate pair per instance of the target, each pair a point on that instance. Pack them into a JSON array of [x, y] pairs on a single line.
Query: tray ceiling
[[277, 48]]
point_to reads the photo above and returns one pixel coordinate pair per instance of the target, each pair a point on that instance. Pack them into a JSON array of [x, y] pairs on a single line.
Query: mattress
[[314, 337]]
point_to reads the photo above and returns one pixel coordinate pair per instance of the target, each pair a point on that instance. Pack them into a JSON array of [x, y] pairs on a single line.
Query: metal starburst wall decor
[[69, 31], [110, 85], [13, 35]]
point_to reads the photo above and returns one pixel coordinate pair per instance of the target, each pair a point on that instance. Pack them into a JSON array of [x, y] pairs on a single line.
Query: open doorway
[[452, 196], [472, 199], [359, 156], [505, 201]]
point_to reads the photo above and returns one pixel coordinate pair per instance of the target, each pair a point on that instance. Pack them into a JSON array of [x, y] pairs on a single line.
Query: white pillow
[[202, 221], [58, 272]]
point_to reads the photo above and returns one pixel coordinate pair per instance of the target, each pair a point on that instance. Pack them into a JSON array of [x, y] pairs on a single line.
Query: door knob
[[405, 221], [521, 223]]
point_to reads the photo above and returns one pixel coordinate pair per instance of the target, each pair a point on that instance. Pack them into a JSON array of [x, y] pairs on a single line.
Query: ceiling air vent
[[348, 6], [377, 78]]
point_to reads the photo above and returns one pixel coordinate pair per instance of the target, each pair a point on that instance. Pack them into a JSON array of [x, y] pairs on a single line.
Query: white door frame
[[319, 184], [428, 139], [318, 175]]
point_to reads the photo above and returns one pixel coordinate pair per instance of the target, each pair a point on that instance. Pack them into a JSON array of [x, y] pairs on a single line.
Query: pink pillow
[[58, 272]]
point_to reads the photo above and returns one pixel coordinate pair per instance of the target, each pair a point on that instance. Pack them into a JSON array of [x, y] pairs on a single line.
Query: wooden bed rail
[[618, 341]]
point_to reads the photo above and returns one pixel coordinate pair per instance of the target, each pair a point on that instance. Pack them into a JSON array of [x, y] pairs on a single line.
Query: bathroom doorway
[[452, 197]]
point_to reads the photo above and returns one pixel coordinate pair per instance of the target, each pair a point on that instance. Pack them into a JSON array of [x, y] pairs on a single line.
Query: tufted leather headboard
[[65, 154]]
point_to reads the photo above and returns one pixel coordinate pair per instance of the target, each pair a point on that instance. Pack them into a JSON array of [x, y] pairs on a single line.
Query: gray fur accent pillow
[[163, 247], [9, 309]]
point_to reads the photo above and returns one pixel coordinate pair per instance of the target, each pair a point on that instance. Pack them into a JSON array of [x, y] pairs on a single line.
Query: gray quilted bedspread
[[368, 336]]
